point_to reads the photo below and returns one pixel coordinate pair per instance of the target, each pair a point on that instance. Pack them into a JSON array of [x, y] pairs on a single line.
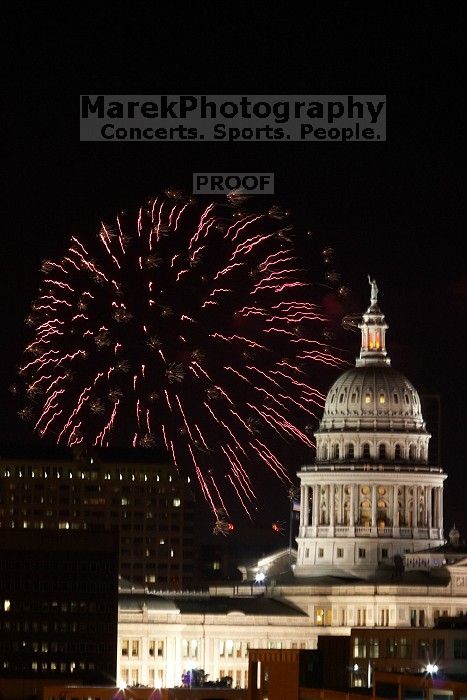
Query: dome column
[[439, 522], [441, 534], [304, 510], [315, 508], [354, 504], [373, 510], [415, 508], [351, 510], [395, 512], [429, 521], [332, 508]]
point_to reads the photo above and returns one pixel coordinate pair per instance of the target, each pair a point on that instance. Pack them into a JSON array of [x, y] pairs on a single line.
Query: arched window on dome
[[397, 452], [324, 452], [366, 450], [382, 397], [335, 451], [350, 450], [368, 396], [407, 400], [382, 451], [412, 452], [341, 397], [396, 397]]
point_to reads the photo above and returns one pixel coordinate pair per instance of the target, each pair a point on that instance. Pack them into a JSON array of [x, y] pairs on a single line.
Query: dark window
[[460, 648]]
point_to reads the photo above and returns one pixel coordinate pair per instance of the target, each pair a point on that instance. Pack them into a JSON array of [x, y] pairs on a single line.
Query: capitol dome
[[364, 394], [371, 494], [372, 410]]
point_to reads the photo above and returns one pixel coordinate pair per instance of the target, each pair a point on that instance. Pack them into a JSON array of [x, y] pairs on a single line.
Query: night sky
[[392, 209]]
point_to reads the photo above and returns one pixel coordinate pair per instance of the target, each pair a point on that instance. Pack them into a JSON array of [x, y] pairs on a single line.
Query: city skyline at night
[[389, 209]]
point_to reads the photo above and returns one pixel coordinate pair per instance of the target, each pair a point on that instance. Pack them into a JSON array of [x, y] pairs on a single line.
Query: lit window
[[216, 565], [6, 605], [382, 398], [176, 502], [367, 397]]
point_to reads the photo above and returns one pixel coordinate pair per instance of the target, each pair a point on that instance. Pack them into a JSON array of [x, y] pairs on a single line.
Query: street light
[[259, 578], [432, 668]]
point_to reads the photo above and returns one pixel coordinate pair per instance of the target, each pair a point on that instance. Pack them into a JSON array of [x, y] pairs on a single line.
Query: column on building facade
[[436, 507], [332, 505], [355, 491], [441, 509], [406, 505], [306, 506], [302, 505], [373, 505], [395, 507], [429, 521], [351, 505], [315, 506], [439, 495], [415, 507]]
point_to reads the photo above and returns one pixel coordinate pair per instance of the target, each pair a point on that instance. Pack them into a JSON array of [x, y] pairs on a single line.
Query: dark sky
[[392, 209]]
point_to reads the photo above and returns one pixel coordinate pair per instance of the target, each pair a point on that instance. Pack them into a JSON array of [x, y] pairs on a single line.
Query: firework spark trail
[[181, 315]]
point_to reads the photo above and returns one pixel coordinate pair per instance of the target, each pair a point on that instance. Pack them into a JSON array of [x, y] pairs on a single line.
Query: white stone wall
[[219, 643]]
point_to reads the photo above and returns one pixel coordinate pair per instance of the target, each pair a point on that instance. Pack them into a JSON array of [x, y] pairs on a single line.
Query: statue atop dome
[[374, 291]]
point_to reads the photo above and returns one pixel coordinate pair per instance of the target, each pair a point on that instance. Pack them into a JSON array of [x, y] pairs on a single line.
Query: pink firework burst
[[185, 326]]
